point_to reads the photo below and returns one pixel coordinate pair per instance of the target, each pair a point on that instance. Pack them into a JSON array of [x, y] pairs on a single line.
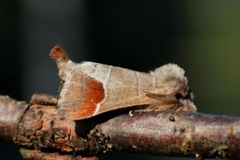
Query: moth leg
[[131, 113], [44, 99], [173, 100], [173, 111]]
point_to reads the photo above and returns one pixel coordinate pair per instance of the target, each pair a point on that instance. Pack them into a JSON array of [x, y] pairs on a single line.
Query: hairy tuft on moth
[[92, 88]]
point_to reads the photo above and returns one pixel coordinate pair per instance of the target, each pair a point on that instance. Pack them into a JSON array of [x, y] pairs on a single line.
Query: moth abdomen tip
[[58, 54]]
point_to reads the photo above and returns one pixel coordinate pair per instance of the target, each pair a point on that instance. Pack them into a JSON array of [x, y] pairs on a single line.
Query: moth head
[[172, 78], [170, 70], [188, 105]]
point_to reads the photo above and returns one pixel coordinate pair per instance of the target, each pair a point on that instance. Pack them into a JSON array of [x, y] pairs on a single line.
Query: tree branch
[[11, 112], [43, 133], [191, 135]]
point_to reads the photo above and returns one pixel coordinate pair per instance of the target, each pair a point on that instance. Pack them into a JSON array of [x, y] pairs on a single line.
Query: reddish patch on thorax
[[94, 94]]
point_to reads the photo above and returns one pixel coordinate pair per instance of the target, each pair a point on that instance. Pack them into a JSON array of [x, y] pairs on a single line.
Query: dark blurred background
[[201, 36]]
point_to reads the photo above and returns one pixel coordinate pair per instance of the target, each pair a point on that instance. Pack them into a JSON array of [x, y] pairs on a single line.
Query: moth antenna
[[65, 65]]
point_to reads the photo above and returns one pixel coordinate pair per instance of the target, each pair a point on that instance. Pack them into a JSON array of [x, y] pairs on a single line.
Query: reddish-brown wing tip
[[58, 54], [81, 96]]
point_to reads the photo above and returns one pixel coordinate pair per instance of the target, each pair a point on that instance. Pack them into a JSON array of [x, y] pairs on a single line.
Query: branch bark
[[43, 133], [11, 112]]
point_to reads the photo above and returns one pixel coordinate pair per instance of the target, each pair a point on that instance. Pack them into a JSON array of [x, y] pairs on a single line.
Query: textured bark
[[191, 135], [44, 134], [11, 112], [43, 128], [28, 154]]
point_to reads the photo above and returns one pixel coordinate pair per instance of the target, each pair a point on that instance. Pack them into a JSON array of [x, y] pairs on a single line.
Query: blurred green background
[[201, 36]]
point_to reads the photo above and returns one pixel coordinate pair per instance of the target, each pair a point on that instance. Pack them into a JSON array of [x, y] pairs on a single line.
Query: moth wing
[[94, 88], [79, 96]]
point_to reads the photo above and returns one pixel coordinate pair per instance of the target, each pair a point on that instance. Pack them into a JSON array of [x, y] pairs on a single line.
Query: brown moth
[[90, 88]]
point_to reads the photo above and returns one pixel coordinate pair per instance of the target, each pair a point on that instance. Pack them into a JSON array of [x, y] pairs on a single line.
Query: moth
[[90, 88]]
